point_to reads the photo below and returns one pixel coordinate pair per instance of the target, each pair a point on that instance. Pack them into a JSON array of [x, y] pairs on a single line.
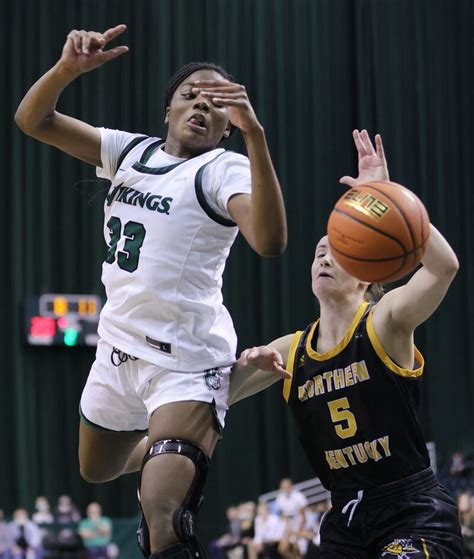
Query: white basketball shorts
[[122, 391]]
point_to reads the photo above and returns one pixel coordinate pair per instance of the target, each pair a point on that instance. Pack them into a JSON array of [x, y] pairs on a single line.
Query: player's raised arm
[[37, 115], [261, 215], [258, 368], [405, 308]]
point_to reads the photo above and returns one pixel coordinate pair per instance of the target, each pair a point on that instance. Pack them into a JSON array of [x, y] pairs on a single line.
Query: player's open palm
[[224, 93], [372, 162], [84, 50]]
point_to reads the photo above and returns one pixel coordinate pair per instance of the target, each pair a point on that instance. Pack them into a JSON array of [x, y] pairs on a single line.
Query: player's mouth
[[324, 275], [197, 123]]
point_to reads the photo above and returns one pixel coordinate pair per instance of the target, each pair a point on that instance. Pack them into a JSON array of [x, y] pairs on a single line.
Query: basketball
[[378, 231]]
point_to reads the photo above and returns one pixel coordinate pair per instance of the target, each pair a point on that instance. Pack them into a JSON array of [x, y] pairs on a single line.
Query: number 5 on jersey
[[339, 410], [134, 234]]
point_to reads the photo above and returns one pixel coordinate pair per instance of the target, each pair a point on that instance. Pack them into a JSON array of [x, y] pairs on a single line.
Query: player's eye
[[188, 95]]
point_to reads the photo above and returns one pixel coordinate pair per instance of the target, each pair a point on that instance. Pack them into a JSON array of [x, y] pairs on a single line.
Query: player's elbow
[[25, 124], [272, 247], [21, 121], [28, 124], [451, 266]]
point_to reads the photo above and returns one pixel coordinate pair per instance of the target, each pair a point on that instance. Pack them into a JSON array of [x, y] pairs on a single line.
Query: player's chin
[[202, 143], [323, 287]]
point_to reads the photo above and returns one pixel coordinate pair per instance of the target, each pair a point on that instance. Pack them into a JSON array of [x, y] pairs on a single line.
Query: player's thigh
[[429, 527], [193, 421], [103, 454], [338, 541]]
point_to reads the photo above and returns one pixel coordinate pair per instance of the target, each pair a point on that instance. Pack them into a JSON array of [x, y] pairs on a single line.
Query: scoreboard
[[54, 319]]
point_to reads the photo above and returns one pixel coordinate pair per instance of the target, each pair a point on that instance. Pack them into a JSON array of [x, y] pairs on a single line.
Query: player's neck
[[177, 149], [335, 318]]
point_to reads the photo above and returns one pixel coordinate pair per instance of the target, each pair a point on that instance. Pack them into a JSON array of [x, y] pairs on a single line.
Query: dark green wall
[[315, 69]]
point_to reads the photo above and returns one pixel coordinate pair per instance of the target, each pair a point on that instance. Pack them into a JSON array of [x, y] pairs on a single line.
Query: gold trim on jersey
[[385, 358], [425, 548], [290, 363], [342, 344]]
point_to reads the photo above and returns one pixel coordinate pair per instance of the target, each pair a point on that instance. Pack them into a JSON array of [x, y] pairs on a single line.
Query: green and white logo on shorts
[[213, 378]]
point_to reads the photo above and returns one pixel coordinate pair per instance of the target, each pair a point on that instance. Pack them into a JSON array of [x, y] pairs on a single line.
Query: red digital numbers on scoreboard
[[42, 326], [62, 319]]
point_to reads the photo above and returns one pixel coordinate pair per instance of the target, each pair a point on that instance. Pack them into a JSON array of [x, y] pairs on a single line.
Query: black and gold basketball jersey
[[355, 409]]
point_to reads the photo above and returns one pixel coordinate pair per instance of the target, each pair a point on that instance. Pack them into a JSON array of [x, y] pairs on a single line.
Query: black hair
[[182, 73]]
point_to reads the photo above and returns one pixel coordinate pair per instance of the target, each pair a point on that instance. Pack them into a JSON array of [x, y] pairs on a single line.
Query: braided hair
[[185, 71]]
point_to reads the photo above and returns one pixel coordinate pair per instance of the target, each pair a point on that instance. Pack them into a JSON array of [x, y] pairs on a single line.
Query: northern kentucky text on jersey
[[147, 200], [333, 380], [359, 453]]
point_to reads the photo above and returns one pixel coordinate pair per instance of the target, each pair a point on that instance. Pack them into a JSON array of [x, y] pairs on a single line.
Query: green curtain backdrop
[[315, 69]]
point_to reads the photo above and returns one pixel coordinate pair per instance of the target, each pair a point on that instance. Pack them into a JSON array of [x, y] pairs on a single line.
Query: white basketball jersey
[[164, 266]]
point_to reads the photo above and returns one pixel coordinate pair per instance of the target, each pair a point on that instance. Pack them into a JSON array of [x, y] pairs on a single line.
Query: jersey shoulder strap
[[295, 358], [127, 149]]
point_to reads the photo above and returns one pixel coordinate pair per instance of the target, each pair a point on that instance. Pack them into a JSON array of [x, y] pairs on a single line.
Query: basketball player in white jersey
[[171, 215]]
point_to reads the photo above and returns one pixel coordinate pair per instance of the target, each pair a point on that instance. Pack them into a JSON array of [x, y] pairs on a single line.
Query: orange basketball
[[378, 231]]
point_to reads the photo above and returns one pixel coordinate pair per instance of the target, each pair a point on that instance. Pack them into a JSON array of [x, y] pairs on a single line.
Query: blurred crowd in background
[[58, 532], [287, 527], [283, 526]]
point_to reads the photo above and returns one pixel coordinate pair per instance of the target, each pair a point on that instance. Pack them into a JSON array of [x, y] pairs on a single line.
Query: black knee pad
[[184, 519]]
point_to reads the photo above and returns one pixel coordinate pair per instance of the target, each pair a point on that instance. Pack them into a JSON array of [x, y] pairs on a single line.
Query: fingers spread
[[379, 146], [283, 373], [113, 32], [350, 181], [369, 148], [358, 143], [113, 53]]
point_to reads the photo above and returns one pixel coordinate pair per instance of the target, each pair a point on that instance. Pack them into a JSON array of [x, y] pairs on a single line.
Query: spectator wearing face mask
[[43, 515]]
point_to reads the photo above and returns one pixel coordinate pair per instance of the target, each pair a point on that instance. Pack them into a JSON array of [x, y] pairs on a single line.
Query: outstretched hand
[[83, 50], [224, 93], [372, 162], [266, 359]]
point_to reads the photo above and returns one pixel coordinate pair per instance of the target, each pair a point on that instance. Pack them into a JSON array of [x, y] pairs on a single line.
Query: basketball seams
[[374, 260], [422, 211], [402, 257], [400, 211], [370, 226], [389, 277]]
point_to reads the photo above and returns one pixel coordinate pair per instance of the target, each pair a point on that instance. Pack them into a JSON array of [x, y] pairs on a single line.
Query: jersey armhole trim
[[127, 149], [290, 364], [202, 199], [385, 358]]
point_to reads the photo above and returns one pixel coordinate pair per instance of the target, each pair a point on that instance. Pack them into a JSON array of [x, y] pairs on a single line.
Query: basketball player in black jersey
[[352, 382]]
